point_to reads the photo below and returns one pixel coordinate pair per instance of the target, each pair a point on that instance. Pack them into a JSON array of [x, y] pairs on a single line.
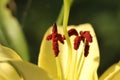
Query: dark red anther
[[60, 38], [86, 35], [54, 29], [86, 50], [77, 42], [55, 48], [71, 32], [49, 37], [55, 37]]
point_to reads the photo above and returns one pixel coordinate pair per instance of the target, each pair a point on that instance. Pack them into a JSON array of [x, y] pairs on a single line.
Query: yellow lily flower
[[12, 67], [67, 61], [53, 65]]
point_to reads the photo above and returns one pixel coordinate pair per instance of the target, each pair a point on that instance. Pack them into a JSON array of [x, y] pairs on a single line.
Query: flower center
[[76, 64]]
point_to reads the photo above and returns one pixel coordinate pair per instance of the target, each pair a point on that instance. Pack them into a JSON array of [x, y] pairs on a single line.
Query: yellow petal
[[19, 70], [8, 54], [8, 72], [112, 73], [46, 56]]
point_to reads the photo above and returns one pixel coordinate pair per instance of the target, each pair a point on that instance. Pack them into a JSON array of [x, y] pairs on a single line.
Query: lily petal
[[13, 68], [8, 54], [19, 70], [112, 73], [8, 72], [47, 59], [89, 71]]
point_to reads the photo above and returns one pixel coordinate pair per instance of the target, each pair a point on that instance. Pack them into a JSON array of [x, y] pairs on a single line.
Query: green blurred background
[[36, 16]]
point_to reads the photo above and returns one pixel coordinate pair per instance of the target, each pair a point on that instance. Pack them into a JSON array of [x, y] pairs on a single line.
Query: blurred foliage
[[36, 16], [11, 33]]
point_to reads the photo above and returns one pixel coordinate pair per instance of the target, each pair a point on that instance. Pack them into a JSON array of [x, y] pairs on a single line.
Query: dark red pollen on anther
[[54, 29], [49, 37], [86, 50], [86, 35], [77, 42], [55, 48], [71, 32], [55, 37]]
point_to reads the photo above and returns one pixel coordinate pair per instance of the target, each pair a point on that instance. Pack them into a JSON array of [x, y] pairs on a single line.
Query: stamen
[[86, 50], [71, 32], [55, 37], [55, 48], [77, 42], [49, 37], [80, 62], [60, 38], [54, 30], [86, 36]]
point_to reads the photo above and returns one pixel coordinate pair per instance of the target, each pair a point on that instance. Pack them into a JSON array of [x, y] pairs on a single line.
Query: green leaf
[[11, 33]]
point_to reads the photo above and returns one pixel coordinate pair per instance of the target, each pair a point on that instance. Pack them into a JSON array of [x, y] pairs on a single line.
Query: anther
[[86, 50], [77, 42], [71, 32], [86, 36], [55, 37]]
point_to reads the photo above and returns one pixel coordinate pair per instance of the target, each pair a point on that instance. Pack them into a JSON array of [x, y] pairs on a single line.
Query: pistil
[[65, 22]]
